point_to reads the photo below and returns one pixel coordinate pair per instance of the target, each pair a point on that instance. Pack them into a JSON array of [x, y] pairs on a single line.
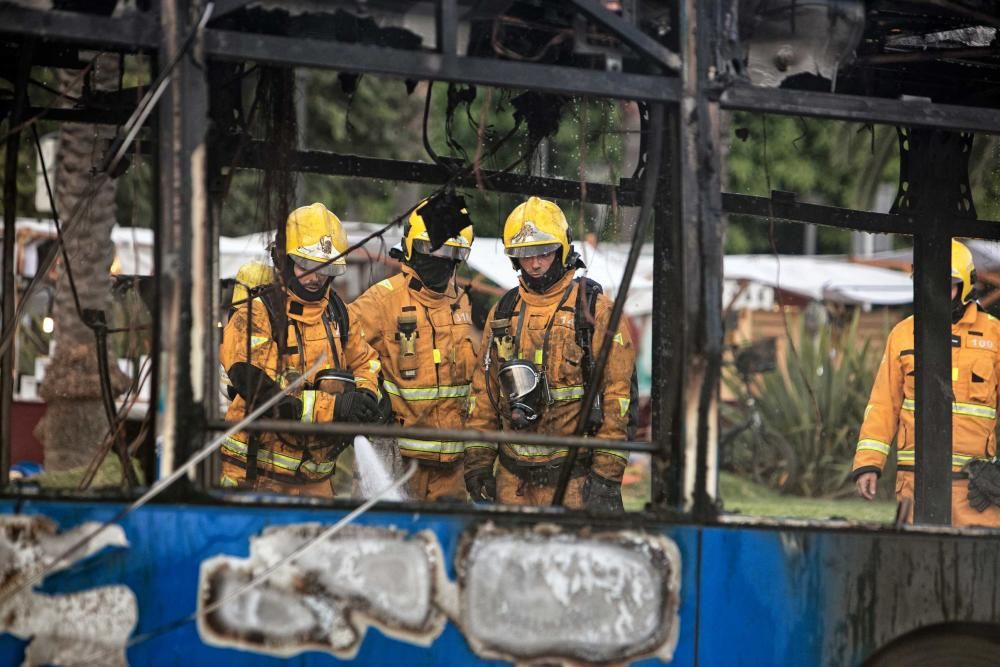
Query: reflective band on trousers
[[426, 393], [873, 445], [290, 463], [570, 393], [966, 409], [908, 457], [433, 446], [537, 451]]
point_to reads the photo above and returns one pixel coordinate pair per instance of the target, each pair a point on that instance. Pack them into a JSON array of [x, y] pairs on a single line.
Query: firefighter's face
[[313, 282], [954, 291], [537, 266]]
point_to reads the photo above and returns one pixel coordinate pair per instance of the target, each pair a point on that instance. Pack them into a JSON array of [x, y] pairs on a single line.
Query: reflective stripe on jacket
[[434, 391], [975, 360]]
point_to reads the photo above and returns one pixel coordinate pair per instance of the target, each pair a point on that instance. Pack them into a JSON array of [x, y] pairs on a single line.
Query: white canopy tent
[[830, 278]]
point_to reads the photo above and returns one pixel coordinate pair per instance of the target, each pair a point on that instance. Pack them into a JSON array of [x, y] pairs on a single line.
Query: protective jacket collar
[[425, 296], [304, 311], [970, 315], [549, 297]]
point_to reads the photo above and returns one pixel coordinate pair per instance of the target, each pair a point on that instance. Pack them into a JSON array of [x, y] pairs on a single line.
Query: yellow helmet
[[963, 270], [314, 236], [536, 227], [416, 239], [250, 275]]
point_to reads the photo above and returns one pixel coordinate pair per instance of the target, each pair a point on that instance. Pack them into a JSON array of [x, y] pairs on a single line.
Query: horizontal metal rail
[[448, 434], [919, 113], [422, 65], [142, 32], [135, 32], [845, 218], [255, 156]]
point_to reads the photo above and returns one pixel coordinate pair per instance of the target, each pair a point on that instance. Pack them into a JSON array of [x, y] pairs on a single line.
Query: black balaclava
[[547, 279], [297, 288], [957, 307], [434, 272]]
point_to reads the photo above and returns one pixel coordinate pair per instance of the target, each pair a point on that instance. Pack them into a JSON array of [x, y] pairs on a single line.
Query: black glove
[[385, 408], [602, 495], [357, 406], [984, 484], [482, 485]]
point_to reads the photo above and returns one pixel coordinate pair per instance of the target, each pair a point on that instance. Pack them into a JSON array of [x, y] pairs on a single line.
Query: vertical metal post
[[9, 235], [182, 280], [446, 24], [669, 327], [933, 395], [933, 188], [700, 256]]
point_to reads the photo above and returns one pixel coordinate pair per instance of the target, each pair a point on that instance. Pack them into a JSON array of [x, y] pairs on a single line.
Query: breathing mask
[[525, 390], [334, 381]]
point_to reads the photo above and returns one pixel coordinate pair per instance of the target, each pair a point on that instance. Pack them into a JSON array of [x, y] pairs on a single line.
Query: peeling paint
[[62, 629], [544, 595], [326, 598]]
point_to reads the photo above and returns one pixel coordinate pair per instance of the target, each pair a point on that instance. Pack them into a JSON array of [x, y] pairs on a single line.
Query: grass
[[109, 475], [741, 496]]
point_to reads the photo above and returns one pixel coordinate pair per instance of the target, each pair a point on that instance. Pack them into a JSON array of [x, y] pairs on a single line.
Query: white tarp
[[831, 278], [823, 279]]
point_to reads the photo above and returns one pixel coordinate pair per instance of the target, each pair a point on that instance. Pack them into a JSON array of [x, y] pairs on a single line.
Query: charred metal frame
[[696, 87]]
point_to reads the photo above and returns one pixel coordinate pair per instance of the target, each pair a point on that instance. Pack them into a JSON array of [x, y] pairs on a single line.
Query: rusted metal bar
[[133, 32], [700, 165], [446, 25], [933, 393], [457, 435], [9, 236], [182, 280], [783, 208], [253, 156], [642, 43], [423, 65], [920, 113]]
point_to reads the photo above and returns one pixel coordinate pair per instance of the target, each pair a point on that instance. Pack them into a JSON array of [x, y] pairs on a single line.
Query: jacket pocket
[[982, 384]]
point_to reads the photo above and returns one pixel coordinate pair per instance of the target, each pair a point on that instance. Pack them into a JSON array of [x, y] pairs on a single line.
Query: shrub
[[808, 411]]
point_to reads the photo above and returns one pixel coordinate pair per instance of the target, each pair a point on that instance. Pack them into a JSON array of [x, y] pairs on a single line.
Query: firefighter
[[250, 277], [890, 413], [278, 336], [537, 355], [421, 326]]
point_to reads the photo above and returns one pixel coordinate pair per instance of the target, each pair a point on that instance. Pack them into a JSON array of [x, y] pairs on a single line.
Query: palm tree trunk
[[75, 422]]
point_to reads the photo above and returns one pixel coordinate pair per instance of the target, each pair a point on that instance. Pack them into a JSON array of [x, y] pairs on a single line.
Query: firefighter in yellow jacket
[[421, 326], [278, 336], [975, 361], [538, 349]]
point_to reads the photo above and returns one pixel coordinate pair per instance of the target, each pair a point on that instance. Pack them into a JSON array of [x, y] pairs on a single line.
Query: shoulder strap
[[505, 307], [584, 326], [274, 304], [337, 311]]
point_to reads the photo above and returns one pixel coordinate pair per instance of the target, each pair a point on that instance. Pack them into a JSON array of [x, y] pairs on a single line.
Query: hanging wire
[[777, 259]]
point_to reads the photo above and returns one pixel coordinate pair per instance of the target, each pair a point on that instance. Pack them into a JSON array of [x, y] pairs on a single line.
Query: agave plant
[[800, 422]]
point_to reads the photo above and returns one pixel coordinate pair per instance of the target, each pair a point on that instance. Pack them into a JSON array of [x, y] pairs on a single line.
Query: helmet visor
[[334, 268], [456, 252], [532, 250]]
